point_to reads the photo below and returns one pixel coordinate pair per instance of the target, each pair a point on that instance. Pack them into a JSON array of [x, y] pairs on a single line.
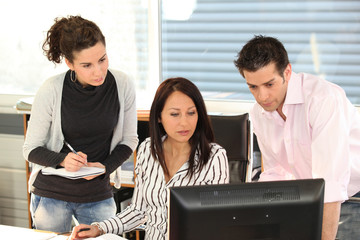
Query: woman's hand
[[74, 162], [78, 233], [94, 164]]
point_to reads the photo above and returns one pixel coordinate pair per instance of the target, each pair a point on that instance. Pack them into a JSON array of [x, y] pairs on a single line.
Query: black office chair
[[233, 132]]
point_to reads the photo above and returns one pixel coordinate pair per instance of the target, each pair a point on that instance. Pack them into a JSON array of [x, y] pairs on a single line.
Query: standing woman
[[94, 110], [179, 152]]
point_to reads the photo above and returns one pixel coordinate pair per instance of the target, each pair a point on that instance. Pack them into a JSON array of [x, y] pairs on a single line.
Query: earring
[[73, 79]]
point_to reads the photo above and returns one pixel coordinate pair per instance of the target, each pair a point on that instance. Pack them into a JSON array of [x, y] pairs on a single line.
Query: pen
[[83, 229], [73, 150]]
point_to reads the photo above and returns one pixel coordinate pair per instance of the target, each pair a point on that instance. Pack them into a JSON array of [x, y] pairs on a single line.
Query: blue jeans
[[349, 224], [55, 215]]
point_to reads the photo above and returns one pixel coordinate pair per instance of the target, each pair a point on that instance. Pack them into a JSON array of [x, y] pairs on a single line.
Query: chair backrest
[[233, 132]]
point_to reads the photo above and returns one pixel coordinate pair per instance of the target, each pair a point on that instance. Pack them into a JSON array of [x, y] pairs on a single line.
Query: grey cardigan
[[44, 128]]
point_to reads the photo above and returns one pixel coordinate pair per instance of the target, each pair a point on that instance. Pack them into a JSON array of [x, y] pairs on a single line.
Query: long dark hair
[[261, 51], [203, 135], [70, 34]]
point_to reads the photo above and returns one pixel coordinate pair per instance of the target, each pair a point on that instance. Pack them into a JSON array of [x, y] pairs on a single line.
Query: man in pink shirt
[[305, 127]]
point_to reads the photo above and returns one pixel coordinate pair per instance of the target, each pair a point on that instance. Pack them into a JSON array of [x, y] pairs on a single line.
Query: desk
[[10, 232]]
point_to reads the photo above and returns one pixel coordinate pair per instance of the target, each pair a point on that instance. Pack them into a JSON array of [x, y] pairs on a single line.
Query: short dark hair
[[69, 34], [203, 135], [261, 51]]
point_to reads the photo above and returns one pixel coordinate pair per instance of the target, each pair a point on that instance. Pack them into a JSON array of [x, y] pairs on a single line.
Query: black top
[[88, 118]]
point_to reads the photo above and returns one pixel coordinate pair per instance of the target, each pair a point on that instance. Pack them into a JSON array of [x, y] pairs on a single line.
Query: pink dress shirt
[[319, 139]]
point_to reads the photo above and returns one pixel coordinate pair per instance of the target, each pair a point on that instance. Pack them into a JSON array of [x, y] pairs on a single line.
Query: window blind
[[321, 37]]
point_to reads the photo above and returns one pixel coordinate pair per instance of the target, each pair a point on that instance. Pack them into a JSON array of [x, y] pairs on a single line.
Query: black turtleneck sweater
[[88, 118]]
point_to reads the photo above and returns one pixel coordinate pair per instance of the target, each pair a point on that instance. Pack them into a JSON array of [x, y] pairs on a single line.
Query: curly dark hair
[[70, 34]]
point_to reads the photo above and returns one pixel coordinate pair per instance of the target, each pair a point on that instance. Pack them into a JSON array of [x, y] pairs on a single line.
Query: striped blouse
[[150, 199]]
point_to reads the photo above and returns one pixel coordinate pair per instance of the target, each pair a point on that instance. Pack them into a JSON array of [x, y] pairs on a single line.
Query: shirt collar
[[294, 96]]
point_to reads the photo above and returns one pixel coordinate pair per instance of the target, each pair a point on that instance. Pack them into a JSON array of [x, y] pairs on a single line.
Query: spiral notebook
[[83, 172]]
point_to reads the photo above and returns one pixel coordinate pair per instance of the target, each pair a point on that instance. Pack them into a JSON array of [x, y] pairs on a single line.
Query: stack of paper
[[83, 172], [24, 104], [127, 172], [127, 177]]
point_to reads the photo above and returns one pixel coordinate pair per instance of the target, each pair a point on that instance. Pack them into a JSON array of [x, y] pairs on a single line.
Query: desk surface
[[11, 232]]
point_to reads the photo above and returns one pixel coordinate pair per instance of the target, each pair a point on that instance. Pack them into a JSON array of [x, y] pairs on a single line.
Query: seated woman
[[179, 152]]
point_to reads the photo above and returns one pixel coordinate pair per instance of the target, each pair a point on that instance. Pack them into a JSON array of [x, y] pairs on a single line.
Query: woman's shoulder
[[120, 76], [52, 86], [216, 147], [123, 81], [143, 153], [217, 155], [144, 144], [217, 150], [55, 81]]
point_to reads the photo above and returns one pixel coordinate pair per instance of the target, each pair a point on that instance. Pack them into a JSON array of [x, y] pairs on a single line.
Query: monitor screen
[[258, 210]]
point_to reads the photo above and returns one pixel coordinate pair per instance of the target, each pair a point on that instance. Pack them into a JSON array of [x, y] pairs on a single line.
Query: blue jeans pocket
[[34, 204]]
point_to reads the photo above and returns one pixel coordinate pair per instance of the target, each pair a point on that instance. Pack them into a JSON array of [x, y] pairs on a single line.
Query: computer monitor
[[258, 210]]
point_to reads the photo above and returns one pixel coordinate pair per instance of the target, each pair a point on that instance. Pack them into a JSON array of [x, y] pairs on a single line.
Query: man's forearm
[[331, 218]]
